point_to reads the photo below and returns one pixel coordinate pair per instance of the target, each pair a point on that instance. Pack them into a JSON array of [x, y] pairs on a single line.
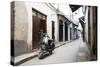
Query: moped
[[46, 45]]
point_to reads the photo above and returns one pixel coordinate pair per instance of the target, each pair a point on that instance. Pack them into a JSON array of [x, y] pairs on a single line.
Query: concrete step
[[25, 57]]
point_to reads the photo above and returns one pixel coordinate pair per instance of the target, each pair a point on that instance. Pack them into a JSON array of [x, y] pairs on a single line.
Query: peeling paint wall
[[21, 28]]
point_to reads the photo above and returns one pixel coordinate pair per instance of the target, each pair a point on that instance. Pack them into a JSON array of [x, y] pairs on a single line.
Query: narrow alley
[[73, 51], [67, 30]]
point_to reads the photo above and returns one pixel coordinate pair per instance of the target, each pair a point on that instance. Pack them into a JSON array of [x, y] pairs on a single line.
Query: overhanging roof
[[74, 7]]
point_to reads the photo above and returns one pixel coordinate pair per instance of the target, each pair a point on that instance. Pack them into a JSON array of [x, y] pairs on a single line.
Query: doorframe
[[42, 14]]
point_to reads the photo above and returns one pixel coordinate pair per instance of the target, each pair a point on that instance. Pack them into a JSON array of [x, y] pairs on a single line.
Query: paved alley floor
[[74, 51]]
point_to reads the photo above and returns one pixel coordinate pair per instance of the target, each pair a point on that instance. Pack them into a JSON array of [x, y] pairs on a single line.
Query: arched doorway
[[53, 30], [66, 31], [60, 30]]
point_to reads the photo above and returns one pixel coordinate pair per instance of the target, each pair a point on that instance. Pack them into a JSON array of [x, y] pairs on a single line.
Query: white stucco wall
[[20, 28]]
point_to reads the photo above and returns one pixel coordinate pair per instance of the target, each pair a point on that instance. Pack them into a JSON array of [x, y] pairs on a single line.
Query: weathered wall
[[21, 28], [86, 25], [91, 30]]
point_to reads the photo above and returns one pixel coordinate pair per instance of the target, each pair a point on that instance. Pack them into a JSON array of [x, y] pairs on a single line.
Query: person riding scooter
[[46, 45]]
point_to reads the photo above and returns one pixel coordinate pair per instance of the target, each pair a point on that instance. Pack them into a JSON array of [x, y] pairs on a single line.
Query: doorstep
[[25, 57]]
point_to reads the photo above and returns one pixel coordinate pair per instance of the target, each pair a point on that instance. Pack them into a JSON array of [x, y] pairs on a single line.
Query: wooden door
[[38, 24], [43, 25], [36, 35]]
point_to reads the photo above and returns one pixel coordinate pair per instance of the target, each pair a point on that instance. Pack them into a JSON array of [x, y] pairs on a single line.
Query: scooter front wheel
[[50, 52], [40, 55]]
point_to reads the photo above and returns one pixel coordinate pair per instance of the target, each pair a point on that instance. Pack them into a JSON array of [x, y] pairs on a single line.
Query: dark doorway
[[53, 30], [60, 30], [39, 23], [66, 32], [70, 33]]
